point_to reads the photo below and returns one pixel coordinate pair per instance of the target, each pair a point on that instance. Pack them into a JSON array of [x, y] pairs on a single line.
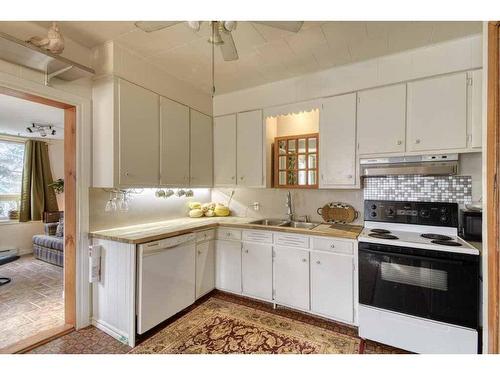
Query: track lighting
[[42, 129]]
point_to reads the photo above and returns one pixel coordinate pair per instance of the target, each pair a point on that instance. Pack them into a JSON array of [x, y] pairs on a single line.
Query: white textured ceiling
[[266, 54], [17, 114]]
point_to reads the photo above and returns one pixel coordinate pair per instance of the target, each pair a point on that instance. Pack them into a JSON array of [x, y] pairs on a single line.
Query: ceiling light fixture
[[42, 129]]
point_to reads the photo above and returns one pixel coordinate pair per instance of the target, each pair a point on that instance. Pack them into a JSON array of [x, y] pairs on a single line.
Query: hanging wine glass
[[123, 206]]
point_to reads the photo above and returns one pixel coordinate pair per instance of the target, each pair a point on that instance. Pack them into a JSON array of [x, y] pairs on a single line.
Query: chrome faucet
[[289, 210]]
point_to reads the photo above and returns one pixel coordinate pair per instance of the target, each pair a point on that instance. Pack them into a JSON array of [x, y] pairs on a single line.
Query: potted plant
[[58, 186]]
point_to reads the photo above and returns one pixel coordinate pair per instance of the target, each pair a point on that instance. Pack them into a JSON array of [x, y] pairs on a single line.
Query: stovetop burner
[[434, 236], [383, 236], [446, 243], [380, 231]]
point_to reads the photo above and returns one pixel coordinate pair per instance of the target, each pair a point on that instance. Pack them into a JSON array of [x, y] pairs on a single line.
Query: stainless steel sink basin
[[285, 223], [270, 222], [300, 224]]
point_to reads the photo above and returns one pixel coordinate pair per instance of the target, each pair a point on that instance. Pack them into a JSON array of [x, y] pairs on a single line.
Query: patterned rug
[[219, 326]]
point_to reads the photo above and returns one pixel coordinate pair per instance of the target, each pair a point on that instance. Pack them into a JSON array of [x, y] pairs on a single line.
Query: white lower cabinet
[[228, 265], [257, 270], [205, 267], [291, 277], [332, 285]]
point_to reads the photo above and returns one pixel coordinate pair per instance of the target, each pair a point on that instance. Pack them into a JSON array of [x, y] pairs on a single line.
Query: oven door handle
[[417, 257]]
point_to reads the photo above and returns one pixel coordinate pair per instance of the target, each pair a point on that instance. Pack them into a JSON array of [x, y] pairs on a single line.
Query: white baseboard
[[112, 331]]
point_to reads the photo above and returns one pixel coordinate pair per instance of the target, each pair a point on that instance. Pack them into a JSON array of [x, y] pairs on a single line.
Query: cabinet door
[[257, 270], [205, 267], [249, 145], [228, 265], [139, 123], [337, 144], [382, 120], [437, 113], [291, 277], [332, 285], [225, 150], [476, 109], [201, 150], [174, 129]]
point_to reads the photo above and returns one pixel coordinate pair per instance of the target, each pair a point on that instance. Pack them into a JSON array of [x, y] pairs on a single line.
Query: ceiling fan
[[221, 32]]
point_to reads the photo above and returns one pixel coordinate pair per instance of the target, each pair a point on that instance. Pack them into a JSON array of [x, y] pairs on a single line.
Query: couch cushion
[[60, 229], [51, 242]]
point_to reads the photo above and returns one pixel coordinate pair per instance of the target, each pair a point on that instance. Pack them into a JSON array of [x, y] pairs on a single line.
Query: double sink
[[285, 223]]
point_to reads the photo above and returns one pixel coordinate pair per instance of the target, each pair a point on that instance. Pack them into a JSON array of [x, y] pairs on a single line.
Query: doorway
[[68, 235]]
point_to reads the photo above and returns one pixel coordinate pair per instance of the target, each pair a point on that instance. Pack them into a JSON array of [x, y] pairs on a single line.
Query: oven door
[[440, 286]]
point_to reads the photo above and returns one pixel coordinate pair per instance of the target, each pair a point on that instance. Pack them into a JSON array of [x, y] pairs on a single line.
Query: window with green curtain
[[36, 194]]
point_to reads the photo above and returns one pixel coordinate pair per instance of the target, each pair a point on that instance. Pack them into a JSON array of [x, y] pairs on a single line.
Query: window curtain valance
[[36, 194], [293, 108]]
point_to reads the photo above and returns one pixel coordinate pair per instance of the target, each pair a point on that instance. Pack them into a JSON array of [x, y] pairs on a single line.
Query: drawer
[[331, 244], [292, 240], [228, 234], [205, 235], [258, 236]]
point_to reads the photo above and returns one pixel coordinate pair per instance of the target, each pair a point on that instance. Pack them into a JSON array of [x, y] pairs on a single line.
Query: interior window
[[11, 171], [296, 161]]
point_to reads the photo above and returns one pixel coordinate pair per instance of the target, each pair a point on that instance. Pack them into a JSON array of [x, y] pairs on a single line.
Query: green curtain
[[36, 194]]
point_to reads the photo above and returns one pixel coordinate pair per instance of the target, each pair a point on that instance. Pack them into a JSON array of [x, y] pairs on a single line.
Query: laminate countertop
[[138, 234]]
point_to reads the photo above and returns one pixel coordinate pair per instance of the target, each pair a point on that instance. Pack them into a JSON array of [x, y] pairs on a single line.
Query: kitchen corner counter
[[138, 234]]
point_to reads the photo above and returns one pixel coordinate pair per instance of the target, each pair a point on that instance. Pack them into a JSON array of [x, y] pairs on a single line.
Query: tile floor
[[92, 340], [32, 301]]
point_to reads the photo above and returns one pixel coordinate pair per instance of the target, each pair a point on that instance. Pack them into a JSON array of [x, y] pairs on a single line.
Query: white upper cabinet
[[337, 143], [174, 130], [138, 118], [437, 113], [249, 145], [382, 120], [257, 270], [476, 108], [225, 150], [201, 147]]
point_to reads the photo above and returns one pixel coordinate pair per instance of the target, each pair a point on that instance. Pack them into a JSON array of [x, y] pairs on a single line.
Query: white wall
[[144, 208], [298, 123], [56, 157], [451, 56], [114, 59]]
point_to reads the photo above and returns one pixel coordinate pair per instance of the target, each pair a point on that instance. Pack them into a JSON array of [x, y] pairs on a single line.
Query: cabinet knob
[[242, 177], [199, 252], [246, 251], [332, 246], [417, 141], [349, 176], [126, 174], [304, 260], [400, 143], [228, 234], [233, 177], [318, 262]]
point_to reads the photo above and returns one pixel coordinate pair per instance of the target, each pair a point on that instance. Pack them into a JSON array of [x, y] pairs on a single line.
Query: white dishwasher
[[165, 279]]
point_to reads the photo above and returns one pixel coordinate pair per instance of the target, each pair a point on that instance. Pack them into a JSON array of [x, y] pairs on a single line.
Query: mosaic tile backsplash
[[420, 188]]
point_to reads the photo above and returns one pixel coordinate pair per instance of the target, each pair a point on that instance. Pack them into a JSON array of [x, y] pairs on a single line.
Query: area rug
[[222, 327]]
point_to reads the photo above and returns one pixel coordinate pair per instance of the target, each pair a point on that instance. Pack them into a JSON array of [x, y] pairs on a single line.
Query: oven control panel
[[419, 213]]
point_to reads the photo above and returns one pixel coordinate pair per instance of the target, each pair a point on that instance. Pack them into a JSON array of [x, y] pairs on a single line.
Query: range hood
[[423, 165]]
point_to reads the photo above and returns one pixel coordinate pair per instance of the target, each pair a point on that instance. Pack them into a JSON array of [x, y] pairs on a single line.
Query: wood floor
[[92, 340], [32, 302]]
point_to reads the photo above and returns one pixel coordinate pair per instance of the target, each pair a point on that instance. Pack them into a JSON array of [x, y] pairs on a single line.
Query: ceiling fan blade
[[293, 26], [150, 26], [228, 48]]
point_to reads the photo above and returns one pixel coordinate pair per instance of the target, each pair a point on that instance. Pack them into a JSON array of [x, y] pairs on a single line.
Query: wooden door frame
[[492, 191], [70, 220]]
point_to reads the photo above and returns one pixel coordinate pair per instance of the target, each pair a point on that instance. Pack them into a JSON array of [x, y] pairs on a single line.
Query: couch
[[49, 247]]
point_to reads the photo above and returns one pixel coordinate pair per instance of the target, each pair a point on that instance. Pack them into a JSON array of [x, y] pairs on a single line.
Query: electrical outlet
[[256, 206]]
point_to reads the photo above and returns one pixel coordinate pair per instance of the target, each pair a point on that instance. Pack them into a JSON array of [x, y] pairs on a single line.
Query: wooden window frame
[[276, 156]]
